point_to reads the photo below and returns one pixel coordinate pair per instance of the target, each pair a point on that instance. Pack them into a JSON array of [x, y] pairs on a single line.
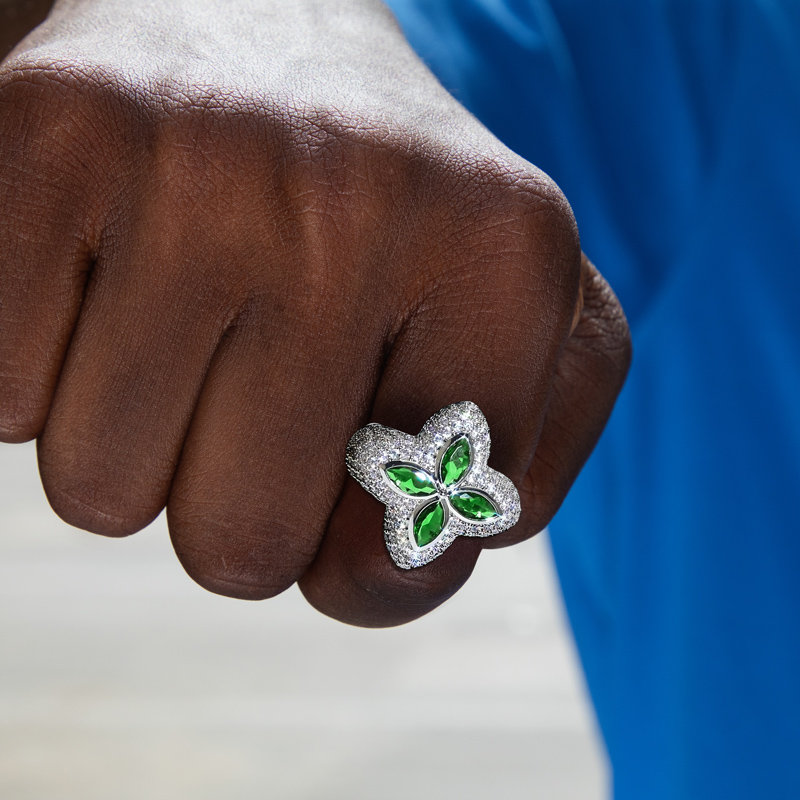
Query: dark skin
[[232, 234], [18, 18]]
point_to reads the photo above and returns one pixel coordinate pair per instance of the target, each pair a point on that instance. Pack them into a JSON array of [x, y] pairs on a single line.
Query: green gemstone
[[473, 506], [455, 461], [411, 480], [428, 523]]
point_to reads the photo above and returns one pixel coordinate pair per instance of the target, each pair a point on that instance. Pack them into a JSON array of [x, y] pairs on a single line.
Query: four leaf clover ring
[[435, 485]]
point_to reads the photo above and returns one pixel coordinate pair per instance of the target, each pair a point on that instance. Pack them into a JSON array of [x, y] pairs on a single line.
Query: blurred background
[[120, 678]]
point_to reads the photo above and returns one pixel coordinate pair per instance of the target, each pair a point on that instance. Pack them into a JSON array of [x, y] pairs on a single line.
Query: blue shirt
[[674, 130]]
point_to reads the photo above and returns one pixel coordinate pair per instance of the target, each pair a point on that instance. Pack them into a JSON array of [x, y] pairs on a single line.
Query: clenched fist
[[234, 231]]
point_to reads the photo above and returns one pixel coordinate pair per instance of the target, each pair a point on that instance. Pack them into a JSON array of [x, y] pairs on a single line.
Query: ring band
[[435, 485]]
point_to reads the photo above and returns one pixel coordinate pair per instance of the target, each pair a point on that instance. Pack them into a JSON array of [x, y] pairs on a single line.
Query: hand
[[234, 232]]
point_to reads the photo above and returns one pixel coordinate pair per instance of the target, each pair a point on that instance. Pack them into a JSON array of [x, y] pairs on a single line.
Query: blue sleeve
[[674, 130]]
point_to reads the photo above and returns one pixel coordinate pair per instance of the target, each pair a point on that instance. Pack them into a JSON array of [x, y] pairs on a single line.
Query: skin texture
[[232, 234]]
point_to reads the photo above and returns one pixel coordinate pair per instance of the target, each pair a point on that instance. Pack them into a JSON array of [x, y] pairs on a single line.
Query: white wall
[[119, 678]]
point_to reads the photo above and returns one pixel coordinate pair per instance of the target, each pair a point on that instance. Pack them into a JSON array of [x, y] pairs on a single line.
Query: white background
[[121, 679]]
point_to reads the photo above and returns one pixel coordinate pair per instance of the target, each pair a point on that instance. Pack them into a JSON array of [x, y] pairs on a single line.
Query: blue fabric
[[674, 130]]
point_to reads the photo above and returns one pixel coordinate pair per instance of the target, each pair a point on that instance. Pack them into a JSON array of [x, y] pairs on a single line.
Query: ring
[[435, 485]]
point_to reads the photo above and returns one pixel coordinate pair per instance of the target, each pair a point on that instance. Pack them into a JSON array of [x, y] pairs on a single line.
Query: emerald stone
[[411, 480], [428, 523], [473, 506], [455, 461]]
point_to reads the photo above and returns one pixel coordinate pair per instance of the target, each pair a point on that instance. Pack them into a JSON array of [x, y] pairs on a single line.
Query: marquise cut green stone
[[455, 461], [473, 506], [428, 523], [411, 480]]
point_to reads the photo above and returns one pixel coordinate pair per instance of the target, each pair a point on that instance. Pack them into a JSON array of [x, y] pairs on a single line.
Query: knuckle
[[411, 593], [85, 505], [515, 188], [23, 409], [92, 487], [343, 178], [603, 332], [235, 554], [67, 129], [548, 228], [47, 101], [542, 212], [505, 218]]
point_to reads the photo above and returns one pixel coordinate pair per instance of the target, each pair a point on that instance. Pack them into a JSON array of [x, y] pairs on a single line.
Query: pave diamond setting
[[435, 485]]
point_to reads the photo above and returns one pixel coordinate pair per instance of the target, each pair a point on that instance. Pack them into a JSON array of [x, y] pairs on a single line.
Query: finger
[[590, 375], [45, 254], [153, 315], [262, 466], [485, 336], [579, 303]]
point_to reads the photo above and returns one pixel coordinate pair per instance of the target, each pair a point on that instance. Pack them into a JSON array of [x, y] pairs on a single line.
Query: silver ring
[[435, 485]]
